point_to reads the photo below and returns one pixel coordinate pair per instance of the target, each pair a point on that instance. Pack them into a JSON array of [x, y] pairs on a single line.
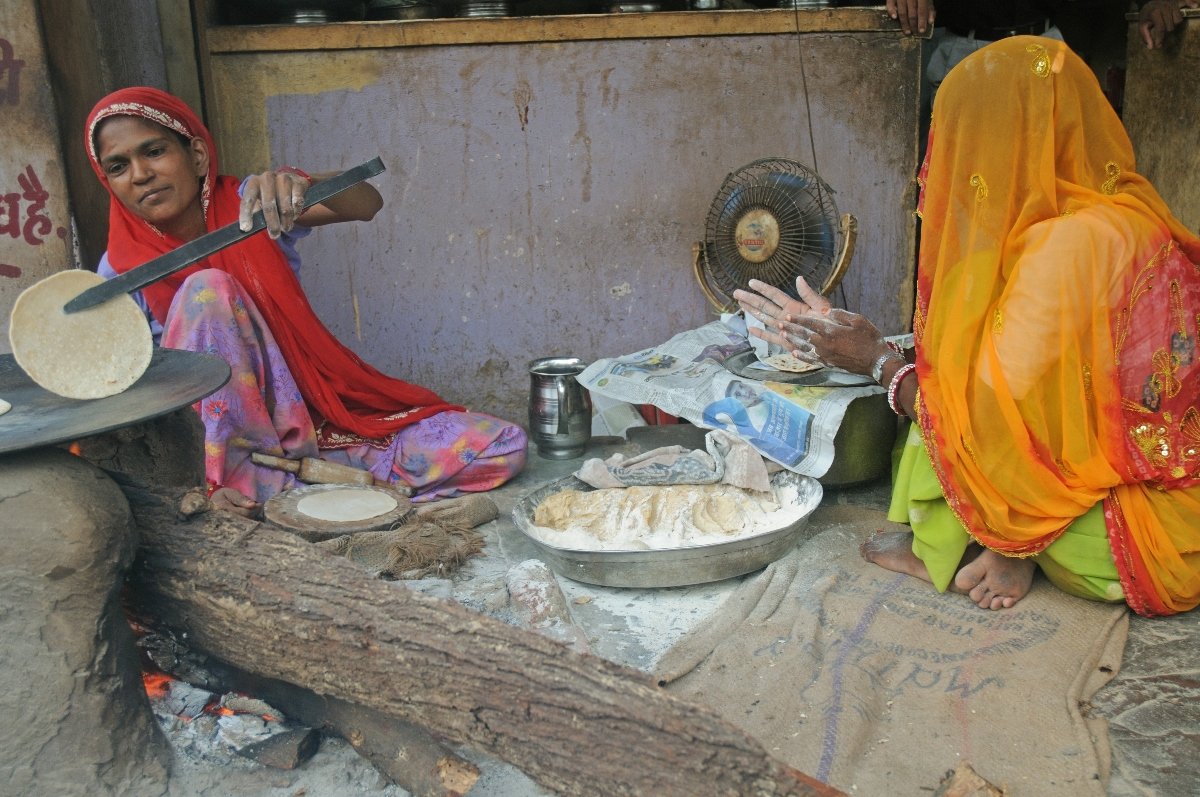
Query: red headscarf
[[334, 381]]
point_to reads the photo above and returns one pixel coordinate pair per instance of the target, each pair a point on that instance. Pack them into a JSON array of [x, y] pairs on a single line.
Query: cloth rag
[[431, 541], [727, 459]]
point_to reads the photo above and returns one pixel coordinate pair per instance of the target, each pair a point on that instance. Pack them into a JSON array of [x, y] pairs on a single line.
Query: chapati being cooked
[[91, 354]]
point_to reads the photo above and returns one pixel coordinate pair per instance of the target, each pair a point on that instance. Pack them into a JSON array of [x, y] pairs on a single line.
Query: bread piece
[[93, 353]]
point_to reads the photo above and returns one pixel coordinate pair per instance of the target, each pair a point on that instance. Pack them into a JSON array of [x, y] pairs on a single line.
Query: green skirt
[[1080, 562]]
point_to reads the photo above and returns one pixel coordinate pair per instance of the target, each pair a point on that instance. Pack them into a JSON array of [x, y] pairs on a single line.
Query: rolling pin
[[315, 470]]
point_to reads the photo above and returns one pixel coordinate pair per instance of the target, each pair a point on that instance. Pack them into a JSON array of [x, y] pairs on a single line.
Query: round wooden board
[[283, 510]]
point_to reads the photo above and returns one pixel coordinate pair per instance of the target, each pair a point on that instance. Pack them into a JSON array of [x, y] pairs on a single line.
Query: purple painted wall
[[542, 199]]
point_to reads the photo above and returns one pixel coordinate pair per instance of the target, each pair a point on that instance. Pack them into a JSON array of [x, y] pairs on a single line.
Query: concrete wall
[[1162, 104], [34, 218], [542, 198]]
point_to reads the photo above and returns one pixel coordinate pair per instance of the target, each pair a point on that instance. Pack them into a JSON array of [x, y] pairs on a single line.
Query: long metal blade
[[194, 251]]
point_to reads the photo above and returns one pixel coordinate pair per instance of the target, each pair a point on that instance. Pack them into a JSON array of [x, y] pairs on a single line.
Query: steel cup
[[560, 409]]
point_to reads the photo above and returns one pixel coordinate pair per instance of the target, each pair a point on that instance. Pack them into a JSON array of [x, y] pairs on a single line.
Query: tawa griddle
[[38, 417]]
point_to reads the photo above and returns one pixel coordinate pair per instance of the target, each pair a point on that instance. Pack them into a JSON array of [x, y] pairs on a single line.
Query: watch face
[[877, 368]]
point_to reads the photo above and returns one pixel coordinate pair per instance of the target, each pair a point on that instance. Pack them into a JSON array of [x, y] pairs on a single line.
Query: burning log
[[271, 604], [402, 751]]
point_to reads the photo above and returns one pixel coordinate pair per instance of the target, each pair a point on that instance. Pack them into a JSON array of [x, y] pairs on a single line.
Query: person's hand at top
[[279, 194], [1159, 17], [914, 16]]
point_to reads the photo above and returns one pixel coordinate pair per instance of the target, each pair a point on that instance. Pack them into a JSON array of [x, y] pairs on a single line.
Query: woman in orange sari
[[1055, 385]]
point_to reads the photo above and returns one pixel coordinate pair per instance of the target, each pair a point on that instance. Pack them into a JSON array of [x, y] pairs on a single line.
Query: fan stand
[[848, 225]]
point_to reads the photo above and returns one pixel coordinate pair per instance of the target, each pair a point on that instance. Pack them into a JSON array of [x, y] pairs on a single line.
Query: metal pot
[[863, 443]]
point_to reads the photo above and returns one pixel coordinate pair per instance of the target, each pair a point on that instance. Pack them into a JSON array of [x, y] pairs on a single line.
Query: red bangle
[[212, 488], [295, 171], [894, 388]]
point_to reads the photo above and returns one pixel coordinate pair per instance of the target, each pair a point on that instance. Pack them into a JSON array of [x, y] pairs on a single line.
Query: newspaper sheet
[[790, 424]]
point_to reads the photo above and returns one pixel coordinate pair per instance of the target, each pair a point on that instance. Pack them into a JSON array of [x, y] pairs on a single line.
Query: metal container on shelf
[[294, 12], [407, 9], [485, 8], [634, 8]]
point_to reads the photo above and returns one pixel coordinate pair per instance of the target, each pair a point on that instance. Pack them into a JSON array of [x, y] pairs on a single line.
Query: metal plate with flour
[[673, 567], [38, 417], [306, 510]]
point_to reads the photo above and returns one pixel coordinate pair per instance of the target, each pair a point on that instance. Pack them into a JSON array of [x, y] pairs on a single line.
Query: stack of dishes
[[485, 8], [401, 9]]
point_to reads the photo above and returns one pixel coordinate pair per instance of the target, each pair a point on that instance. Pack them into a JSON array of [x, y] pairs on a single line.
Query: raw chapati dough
[[630, 518], [90, 354], [346, 505], [4, 406], [786, 362]]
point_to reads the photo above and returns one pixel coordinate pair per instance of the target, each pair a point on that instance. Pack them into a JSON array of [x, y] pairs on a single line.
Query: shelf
[[513, 30]]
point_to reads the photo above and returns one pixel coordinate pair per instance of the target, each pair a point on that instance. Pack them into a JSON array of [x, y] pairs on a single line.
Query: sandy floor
[[1152, 706]]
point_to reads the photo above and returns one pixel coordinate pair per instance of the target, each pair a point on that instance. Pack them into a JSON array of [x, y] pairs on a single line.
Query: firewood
[[403, 752], [273, 604]]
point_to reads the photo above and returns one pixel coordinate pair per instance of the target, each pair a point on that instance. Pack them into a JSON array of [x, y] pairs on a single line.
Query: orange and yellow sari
[[1056, 326]]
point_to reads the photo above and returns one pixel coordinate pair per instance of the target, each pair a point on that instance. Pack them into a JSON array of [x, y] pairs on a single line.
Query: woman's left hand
[[279, 195], [770, 306]]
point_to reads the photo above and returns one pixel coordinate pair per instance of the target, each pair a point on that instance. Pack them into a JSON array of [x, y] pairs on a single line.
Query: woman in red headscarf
[[295, 390], [1056, 382]]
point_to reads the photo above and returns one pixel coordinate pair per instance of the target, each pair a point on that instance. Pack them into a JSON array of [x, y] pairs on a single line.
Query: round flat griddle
[[743, 364], [38, 417]]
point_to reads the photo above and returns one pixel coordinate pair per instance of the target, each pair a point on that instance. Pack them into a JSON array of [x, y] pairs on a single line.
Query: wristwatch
[[877, 368]]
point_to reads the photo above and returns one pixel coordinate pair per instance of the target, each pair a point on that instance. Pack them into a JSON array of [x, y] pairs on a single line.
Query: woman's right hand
[[280, 197], [231, 500]]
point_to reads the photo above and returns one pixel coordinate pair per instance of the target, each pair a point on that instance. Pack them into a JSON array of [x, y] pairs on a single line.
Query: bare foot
[[994, 581], [892, 550]]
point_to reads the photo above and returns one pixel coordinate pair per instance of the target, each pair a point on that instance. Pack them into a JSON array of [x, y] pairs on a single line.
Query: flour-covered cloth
[[727, 459]]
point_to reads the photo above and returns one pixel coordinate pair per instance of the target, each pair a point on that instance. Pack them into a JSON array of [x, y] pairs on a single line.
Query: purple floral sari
[[261, 409]]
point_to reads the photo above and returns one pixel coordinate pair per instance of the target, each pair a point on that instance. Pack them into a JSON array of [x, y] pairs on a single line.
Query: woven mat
[[874, 683]]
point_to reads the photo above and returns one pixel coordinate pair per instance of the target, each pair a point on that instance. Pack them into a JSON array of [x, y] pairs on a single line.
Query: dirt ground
[[1152, 706]]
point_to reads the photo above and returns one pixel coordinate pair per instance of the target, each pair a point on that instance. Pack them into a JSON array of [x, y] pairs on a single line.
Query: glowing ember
[[157, 684]]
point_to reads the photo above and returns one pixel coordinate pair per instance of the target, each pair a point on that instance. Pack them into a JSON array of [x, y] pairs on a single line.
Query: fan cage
[[804, 207]]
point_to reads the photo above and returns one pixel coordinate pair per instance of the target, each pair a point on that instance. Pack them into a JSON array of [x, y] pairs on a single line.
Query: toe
[[979, 593]]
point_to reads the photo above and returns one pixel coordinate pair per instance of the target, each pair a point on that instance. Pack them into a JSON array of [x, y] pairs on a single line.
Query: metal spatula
[[195, 251]]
